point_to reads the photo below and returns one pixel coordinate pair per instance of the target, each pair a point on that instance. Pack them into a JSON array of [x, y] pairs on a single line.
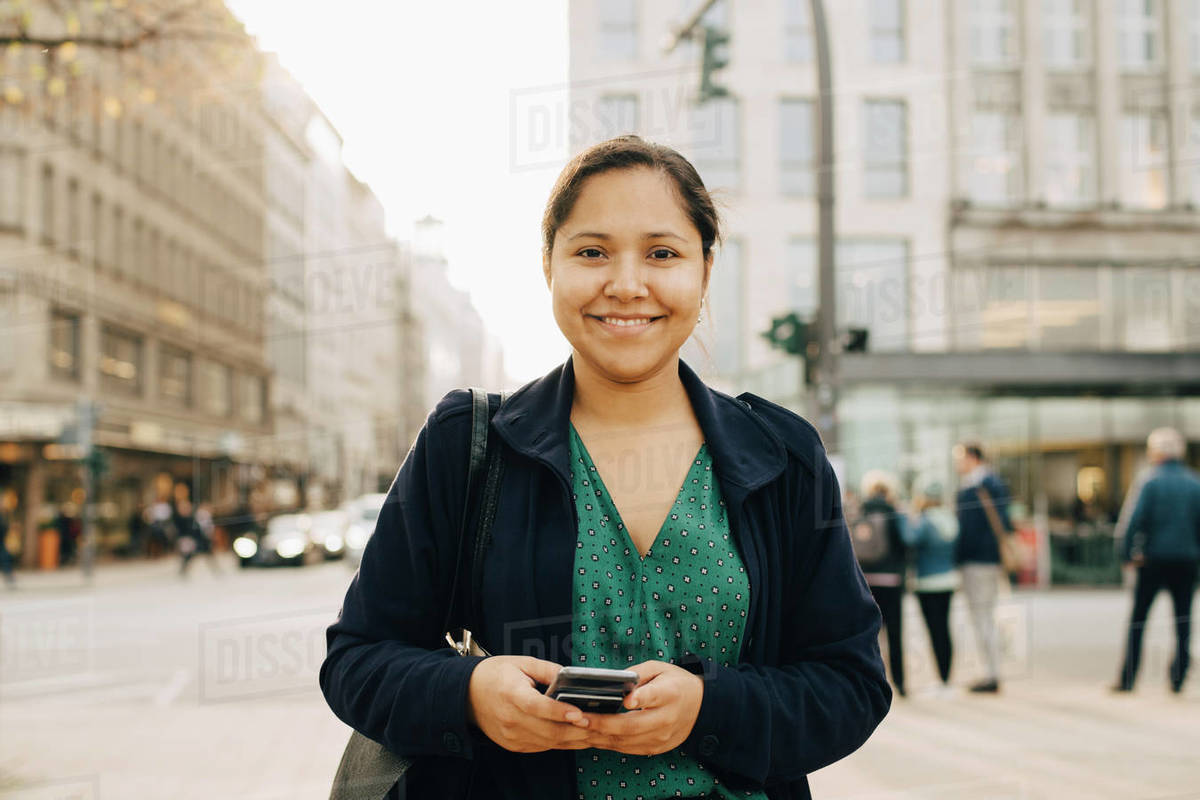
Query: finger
[[540, 670], [537, 704], [545, 733], [631, 723]]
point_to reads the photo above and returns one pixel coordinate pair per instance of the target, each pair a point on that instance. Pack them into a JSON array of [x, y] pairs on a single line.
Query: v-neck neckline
[[595, 470]]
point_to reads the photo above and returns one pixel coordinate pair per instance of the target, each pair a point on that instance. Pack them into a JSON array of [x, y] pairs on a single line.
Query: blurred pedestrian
[[1162, 541], [8, 507], [931, 535], [138, 531], [982, 506], [69, 524], [193, 532], [878, 538]]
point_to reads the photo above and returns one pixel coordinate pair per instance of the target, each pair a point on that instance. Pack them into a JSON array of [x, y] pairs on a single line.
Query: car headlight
[[356, 537], [333, 543], [245, 547], [290, 548]]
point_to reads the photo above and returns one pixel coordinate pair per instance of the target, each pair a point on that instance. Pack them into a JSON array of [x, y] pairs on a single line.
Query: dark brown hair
[[627, 152]]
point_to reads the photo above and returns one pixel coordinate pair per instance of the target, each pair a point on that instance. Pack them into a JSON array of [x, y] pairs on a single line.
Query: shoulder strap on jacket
[[478, 458]]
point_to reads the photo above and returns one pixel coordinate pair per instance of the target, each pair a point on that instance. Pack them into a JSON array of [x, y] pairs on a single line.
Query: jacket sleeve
[[1137, 520], [388, 671], [780, 723]]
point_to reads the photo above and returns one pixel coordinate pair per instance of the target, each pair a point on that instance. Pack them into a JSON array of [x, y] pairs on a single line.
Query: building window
[[1143, 161], [97, 221], [1139, 34], [871, 286], [1067, 33], [726, 298], [12, 177], [73, 212], [872, 290], [138, 257], [64, 345], [1146, 309], [1068, 308], [1194, 157], [1194, 34], [120, 361], [797, 147], [252, 398], [886, 149], [618, 29], [993, 308], [48, 217], [995, 175], [717, 143], [175, 376], [616, 114], [993, 34], [218, 389], [1070, 160], [118, 242], [887, 31], [797, 31]]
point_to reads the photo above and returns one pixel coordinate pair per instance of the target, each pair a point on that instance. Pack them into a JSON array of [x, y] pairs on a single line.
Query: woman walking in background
[[931, 535], [878, 537]]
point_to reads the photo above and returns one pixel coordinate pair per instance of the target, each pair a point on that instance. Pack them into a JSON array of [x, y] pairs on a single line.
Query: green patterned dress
[[690, 593]]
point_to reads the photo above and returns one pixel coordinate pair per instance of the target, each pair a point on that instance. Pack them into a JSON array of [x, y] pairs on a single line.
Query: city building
[[1017, 190], [131, 270]]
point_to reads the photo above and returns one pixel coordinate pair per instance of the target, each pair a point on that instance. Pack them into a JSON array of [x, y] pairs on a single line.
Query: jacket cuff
[[448, 700], [708, 738]]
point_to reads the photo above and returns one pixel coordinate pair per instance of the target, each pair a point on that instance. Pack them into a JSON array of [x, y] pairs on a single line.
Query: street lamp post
[[825, 397]]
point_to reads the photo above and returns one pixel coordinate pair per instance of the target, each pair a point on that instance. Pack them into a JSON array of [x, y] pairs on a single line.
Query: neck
[[615, 404]]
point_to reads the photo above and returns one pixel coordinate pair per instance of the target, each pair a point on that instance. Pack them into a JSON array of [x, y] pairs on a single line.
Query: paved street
[[144, 685]]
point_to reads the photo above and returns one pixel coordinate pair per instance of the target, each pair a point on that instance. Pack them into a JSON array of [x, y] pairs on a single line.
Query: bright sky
[[421, 93]]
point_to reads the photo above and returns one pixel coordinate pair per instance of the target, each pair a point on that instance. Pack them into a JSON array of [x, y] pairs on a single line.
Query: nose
[[627, 280]]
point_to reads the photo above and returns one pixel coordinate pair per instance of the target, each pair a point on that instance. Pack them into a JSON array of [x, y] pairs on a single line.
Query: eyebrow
[[607, 237]]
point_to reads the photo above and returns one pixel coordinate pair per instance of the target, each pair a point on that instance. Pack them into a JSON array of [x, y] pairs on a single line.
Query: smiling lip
[[624, 330]]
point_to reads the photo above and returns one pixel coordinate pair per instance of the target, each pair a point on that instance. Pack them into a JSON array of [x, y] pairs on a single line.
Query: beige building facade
[[1017, 189]]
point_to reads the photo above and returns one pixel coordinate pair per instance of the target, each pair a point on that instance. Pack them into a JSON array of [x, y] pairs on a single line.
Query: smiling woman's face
[[627, 250]]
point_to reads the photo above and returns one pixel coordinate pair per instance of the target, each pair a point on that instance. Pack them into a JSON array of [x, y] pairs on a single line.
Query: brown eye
[[661, 254], [590, 250]]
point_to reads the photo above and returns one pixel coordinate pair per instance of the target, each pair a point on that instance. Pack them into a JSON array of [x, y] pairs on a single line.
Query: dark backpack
[[870, 539]]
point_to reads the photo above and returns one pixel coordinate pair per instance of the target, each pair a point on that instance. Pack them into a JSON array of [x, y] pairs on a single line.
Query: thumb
[[540, 670]]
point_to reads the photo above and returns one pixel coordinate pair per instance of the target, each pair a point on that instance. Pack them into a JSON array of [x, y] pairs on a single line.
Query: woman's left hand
[[667, 699]]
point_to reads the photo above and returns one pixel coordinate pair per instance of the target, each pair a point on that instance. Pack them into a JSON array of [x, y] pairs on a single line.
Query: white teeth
[[626, 322]]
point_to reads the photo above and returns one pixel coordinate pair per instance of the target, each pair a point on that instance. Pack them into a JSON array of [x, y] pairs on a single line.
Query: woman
[[646, 522], [885, 571], [932, 535]]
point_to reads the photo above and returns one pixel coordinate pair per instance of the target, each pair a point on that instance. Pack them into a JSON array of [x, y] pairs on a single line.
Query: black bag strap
[[478, 459]]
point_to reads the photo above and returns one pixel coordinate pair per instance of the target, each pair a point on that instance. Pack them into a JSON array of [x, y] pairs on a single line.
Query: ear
[[546, 267], [708, 263]]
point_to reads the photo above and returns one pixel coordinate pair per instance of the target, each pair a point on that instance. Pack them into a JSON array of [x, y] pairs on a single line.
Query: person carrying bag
[[368, 770]]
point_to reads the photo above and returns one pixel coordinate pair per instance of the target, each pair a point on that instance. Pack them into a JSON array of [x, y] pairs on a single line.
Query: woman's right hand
[[504, 702]]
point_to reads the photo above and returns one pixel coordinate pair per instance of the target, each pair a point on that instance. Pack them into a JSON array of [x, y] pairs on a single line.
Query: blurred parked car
[[363, 512], [328, 532], [286, 541]]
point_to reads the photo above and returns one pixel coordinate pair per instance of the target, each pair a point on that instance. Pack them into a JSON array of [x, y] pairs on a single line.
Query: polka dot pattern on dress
[[690, 593]]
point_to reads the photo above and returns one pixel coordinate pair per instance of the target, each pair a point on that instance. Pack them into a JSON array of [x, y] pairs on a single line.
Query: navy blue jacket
[[1167, 516], [809, 687], [976, 543]]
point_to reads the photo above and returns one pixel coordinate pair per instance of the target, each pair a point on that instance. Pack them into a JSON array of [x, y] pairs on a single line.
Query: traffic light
[[789, 333], [796, 336], [715, 58], [854, 340]]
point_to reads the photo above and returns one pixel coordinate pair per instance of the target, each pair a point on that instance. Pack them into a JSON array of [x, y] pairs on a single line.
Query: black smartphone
[[592, 689]]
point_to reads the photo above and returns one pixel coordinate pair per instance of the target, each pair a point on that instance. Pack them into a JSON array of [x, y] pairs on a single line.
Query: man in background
[[977, 552], [1162, 540]]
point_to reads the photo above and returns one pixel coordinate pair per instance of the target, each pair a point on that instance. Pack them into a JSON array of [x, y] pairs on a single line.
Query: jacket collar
[[533, 421]]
